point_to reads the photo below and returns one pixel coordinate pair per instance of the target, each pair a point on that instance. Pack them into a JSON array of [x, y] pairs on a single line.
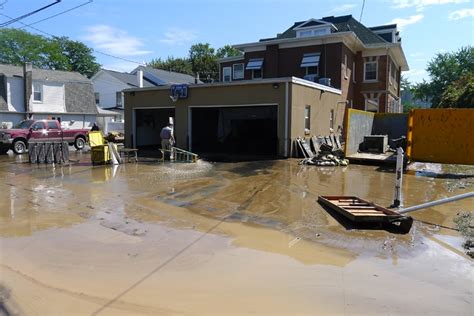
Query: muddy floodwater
[[223, 239]]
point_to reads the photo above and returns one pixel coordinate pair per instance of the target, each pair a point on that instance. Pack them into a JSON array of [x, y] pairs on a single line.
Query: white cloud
[[177, 36], [344, 8], [461, 14], [401, 23], [416, 75], [421, 4], [114, 41]]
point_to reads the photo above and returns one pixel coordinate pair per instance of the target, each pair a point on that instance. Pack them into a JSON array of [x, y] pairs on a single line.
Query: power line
[[13, 20], [1, 4], [60, 13]]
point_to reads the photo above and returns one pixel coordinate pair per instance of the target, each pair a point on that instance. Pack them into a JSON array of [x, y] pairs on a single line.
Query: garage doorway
[[235, 133], [148, 125]]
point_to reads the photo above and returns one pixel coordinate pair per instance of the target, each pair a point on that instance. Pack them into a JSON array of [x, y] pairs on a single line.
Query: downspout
[[286, 117], [27, 87]]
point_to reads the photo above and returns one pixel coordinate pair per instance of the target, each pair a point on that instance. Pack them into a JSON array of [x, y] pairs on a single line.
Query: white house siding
[[70, 121], [9, 120], [15, 95], [107, 87], [53, 98]]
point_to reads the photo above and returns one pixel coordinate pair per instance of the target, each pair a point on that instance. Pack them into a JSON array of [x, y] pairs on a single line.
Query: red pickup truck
[[17, 137]]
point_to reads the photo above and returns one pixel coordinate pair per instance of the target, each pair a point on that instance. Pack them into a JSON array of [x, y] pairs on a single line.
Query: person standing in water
[[167, 140]]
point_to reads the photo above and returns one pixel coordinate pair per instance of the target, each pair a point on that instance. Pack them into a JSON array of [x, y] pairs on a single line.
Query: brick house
[[365, 63]]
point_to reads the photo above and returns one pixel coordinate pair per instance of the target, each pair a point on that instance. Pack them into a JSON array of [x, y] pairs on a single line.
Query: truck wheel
[[80, 143], [19, 147], [3, 150]]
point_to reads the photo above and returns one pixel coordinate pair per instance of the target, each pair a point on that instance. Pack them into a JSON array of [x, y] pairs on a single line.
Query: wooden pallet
[[358, 210]]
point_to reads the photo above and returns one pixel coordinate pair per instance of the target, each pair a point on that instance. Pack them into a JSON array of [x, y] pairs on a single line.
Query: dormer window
[[314, 27], [314, 32]]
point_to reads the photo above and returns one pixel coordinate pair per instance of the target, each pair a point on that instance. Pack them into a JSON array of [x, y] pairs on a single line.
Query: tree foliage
[[228, 51], [202, 60], [445, 70], [459, 94], [181, 65], [57, 53]]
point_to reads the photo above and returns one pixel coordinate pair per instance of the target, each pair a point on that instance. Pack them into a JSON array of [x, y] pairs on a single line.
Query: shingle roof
[[344, 23], [128, 79], [164, 77], [43, 74]]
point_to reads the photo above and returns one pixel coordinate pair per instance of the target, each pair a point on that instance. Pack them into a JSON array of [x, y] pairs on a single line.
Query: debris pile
[[325, 151]]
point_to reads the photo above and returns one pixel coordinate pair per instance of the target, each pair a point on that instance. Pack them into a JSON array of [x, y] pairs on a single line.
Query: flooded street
[[223, 239]]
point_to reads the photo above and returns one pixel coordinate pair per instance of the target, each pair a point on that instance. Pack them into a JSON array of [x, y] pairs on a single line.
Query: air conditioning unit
[[375, 144], [313, 78], [325, 81]]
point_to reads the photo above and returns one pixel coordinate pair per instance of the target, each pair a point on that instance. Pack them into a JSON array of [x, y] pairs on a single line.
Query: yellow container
[[100, 154], [96, 139]]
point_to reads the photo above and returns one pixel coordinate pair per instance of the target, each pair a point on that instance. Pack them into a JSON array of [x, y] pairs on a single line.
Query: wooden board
[[358, 210]]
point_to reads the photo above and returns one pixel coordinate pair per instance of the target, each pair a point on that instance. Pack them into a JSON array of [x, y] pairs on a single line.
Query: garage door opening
[[149, 123], [235, 133]]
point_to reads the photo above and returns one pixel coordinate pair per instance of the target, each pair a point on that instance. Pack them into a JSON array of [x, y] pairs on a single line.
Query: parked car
[[17, 138]]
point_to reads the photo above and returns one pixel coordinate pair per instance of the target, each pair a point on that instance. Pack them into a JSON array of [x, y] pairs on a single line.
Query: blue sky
[[144, 29]]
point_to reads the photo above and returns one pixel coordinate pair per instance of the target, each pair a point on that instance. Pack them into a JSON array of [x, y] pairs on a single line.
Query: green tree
[[444, 70], [459, 94], [228, 51], [78, 55], [181, 65], [204, 62], [58, 53]]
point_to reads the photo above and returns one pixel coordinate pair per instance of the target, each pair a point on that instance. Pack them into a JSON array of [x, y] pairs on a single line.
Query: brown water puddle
[[213, 239]]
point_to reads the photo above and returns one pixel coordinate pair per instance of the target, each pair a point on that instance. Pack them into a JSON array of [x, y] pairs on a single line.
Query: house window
[[370, 71], [255, 65], [257, 74], [305, 33], [37, 92], [372, 105], [307, 118], [238, 71], [314, 32], [331, 120], [310, 62], [226, 74], [354, 71], [97, 97], [118, 97]]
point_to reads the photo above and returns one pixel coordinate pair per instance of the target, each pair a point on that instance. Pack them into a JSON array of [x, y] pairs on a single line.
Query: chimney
[[27, 86], [196, 79], [140, 78]]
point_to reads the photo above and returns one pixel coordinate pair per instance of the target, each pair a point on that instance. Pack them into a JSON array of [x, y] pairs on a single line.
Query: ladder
[[179, 155]]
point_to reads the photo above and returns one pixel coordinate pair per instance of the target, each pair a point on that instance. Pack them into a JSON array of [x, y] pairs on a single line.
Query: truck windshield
[[24, 124]]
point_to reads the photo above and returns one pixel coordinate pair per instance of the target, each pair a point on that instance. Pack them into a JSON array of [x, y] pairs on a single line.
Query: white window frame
[[307, 118], [390, 72], [40, 85], [376, 71], [233, 71], [253, 74], [224, 69]]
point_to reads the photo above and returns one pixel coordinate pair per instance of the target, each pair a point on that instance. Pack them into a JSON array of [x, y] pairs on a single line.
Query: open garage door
[[149, 123], [235, 133]]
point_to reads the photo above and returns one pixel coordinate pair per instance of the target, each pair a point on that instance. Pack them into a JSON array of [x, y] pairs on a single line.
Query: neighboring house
[[108, 84], [41, 94], [364, 63]]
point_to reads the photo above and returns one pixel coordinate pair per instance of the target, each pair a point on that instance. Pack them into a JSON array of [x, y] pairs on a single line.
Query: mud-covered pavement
[[222, 239]]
